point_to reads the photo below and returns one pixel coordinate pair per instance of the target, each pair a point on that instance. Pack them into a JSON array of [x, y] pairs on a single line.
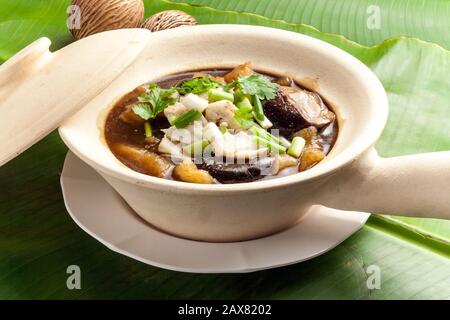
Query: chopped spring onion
[[258, 109], [245, 105], [217, 95], [296, 148], [266, 124], [211, 132], [148, 129], [193, 101], [271, 145], [244, 118], [239, 95], [284, 142], [196, 148], [244, 122], [266, 135], [223, 129], [186, 118]]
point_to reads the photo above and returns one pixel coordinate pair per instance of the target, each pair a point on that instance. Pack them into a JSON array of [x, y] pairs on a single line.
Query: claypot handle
[[414, 185]]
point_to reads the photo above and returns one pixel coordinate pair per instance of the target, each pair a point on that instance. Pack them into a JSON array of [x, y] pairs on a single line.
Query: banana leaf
[[38, 240], [24, 21], [367, 22]]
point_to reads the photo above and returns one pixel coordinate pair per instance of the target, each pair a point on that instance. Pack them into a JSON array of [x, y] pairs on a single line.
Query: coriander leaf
[[197, 85], [143, 111], [255, 85], [154, 101]]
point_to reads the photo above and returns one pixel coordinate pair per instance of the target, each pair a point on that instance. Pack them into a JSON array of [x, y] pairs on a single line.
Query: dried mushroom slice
[[294, 109]]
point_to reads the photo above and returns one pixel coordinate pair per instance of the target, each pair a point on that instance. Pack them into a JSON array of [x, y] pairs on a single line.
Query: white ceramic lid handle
[[415, 185]]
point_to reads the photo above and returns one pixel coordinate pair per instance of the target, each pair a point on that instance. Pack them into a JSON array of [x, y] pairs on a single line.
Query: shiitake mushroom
[[239, 172], [294, 109]]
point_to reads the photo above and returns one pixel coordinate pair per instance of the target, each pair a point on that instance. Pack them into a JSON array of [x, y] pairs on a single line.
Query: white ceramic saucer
[[102, 213]]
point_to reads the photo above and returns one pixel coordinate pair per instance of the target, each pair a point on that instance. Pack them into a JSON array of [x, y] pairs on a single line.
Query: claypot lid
[[39, 89]]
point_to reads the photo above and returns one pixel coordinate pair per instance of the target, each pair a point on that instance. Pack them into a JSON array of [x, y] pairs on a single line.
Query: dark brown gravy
[[119, 132]]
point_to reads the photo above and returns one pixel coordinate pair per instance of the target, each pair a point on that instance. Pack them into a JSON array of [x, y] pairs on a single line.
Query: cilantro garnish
[[154, 101], [197, 85], [255, 85]]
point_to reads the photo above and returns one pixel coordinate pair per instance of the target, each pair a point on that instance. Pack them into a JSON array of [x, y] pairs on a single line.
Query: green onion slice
[[258, 109], [186, 118], [148, 129], [245, 105], [217, 95], [266, 135], [271, 145], [196, 148], [296, 148]]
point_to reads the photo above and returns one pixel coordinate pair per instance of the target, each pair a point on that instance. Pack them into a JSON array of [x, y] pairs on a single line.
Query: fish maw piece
[[130, 117], [187, 171], [283, 161], [240, 71], [130, 100], [311, 136], [222, 111], [313, 152], [143, 161], [309, 158]]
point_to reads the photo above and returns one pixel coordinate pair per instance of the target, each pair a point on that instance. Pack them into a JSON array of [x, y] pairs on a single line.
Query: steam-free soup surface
[[221, 126]]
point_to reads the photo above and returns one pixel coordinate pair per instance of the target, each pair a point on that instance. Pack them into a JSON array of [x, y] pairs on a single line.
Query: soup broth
[[221, 126]]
